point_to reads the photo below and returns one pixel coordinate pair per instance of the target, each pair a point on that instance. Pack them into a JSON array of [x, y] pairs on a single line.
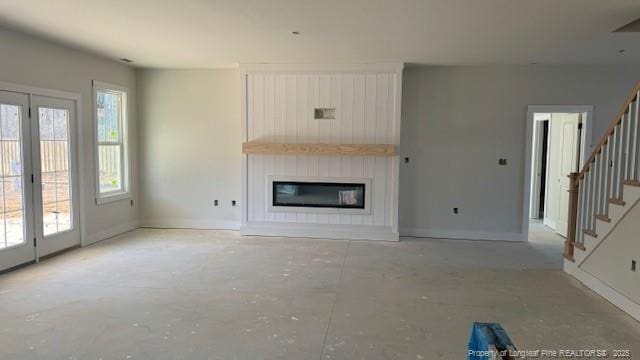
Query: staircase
[[608, 185]]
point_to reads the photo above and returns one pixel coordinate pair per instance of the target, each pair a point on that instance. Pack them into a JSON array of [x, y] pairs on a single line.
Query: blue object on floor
[[484, 338]]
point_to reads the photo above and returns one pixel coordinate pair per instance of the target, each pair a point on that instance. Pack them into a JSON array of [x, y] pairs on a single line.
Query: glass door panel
[[11, 173], [55, 170]]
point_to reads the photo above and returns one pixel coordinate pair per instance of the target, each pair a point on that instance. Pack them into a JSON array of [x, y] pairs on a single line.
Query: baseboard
[[204, 224], [599, 287], [320, 231], [550, 223], [110, 232], [461, 234]]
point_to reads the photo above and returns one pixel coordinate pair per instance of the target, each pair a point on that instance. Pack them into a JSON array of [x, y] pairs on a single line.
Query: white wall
[[280, 108], [458, 120], [29, 61], [610, 262], [190, 147]]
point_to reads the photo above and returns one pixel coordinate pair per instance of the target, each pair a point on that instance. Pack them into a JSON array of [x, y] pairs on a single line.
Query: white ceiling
[[221, 33]]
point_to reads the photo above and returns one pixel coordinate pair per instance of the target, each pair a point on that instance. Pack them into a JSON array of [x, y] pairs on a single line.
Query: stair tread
[[579, 246], [603, 217], [590, 233], [617, 201], [632, 183]]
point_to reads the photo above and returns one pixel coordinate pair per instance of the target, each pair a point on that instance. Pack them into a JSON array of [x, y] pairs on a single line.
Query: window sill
[[106, 199]]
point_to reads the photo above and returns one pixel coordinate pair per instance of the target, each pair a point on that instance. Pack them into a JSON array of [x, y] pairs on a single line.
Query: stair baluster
[[599, 189], [581, 211], [614, 163], [592, 197], [621, 156], [608, 175], [633, 175], [585, 208], [603, 181], [627, 142], [585, 221]]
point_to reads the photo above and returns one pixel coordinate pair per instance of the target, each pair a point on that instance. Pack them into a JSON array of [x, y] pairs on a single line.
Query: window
[[112, 170]]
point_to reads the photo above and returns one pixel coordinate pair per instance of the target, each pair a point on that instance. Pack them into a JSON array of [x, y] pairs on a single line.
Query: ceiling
[[222, 33]]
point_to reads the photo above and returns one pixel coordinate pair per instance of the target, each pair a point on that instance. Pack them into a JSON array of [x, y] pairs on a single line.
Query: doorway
[[39, 171], [558, 143]]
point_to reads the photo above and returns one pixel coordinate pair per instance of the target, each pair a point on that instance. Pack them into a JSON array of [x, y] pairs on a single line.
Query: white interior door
[[552, 192], [56, 172], [17, 244], [568, 164]]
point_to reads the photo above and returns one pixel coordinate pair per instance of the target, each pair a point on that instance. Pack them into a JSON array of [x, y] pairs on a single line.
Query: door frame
[[585, 152], [77, 100]]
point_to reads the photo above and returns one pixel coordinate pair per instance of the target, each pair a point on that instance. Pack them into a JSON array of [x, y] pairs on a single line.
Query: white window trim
[[126, 185]]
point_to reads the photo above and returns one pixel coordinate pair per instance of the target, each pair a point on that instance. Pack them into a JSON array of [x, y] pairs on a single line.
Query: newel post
[[574, 184]]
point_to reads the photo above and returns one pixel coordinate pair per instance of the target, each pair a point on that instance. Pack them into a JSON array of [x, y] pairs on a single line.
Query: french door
[[16, 191], [38, 169]]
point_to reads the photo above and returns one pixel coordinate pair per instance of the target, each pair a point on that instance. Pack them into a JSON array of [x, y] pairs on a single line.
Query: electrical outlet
[[215, 202], [502, 162], [233, 203], [406, 160], [455, 211]]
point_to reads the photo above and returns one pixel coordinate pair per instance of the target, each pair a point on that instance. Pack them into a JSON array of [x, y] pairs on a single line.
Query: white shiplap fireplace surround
[[279, 107]]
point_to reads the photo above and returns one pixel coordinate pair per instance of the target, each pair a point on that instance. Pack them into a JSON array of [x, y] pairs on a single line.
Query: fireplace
[[320, 150], [319, 195]]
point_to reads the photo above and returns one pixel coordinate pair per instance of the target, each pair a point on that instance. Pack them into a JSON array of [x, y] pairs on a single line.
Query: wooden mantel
[[319, 149]]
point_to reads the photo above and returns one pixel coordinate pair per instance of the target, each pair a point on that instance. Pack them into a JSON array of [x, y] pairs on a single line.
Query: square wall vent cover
[[324, 113]]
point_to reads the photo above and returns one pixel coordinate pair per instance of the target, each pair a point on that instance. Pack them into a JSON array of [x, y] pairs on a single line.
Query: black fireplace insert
[[319, 194]]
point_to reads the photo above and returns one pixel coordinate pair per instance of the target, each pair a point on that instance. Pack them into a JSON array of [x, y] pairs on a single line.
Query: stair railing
[[613, 162]]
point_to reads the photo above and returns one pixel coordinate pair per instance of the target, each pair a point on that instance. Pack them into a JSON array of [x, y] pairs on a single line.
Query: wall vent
[[324, 113]]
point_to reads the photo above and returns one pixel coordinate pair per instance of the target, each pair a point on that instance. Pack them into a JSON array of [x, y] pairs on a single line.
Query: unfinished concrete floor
[[188, 294]]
